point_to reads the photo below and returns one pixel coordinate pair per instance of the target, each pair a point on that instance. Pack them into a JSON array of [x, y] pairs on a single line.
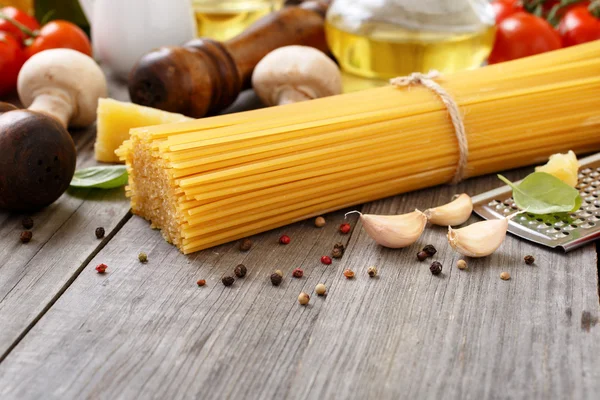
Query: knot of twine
[[427, 80]]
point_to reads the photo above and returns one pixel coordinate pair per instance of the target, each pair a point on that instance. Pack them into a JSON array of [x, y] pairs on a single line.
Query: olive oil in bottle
[[224, 19], [382, 50]]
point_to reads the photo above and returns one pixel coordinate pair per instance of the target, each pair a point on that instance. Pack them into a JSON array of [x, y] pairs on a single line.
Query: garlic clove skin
[[395, 231], [454, 213], [479, 239]]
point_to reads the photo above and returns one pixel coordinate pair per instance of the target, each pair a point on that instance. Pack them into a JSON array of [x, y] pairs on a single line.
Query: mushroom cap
[[69, 74], [305, 71]]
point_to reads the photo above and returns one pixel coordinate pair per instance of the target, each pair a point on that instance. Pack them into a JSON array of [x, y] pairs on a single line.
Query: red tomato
[[578, 26], [19, 16], [521, 35], [504, 8], [12, 58], [60, 34]]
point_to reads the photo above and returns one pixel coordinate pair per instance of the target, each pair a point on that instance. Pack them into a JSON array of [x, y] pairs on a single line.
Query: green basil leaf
[[102, 177], [542, 193]]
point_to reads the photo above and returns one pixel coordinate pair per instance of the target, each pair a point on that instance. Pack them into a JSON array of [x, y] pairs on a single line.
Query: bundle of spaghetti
[[214, 180]]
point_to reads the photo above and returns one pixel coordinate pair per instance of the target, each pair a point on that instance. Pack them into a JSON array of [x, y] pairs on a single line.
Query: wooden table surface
[[148, 331]]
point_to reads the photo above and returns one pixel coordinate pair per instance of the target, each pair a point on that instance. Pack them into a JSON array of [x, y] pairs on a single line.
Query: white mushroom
[[64, 84], [295, 73]]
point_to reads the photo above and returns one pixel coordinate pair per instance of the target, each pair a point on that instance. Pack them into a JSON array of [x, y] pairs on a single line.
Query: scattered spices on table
[[504, 276], [320, 289], [240, 270], [320, 222], [27, 222], [285, 239], [348, 273], [26, 236], [421, 256], [100, 233], [529, 259], [326, 260], [276, 279], [430, 250], [143, 257], [201, 282], [245, 244], [278, 272], [461, 264], [228, 280], [303, 298], [101, 268], [298, 273], [372, 271], [436, 268], [338, 250], [345, 228]]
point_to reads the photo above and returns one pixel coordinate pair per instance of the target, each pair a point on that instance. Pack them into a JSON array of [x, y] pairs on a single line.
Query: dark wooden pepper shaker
[[204, 76]]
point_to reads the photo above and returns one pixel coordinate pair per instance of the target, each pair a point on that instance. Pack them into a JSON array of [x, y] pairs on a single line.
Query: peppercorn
[[285, 239], [319, 222], [100, 233], [240, 271], [278, 272], [320, 289], [505, 276], [245, 244], [201, 282], [436, 268], [303, 298], [276, 279], [529, 260], [345, 228], [298, 273], [430, 250], [27, 223], [143, 257], [101, 268], [349, 274], [326, 260], [26, 236], [338, 250], [372, 271], [421, 256], [461, 264], [228, 280]]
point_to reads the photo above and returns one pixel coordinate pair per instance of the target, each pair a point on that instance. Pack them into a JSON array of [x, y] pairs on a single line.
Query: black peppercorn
[[421, 256], [245, 244], [436, 268], [26, 236], [276, 279], [529, 260], [27, 223], [338, 250], [228, 280], [100, 232], [240, 271], [430, 250]]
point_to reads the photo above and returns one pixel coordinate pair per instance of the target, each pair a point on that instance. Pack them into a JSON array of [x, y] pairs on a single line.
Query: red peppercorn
[[26, 236], [297, 273], [201, 282], [285, 239], [326, 260], [101, 268], [345, 228]]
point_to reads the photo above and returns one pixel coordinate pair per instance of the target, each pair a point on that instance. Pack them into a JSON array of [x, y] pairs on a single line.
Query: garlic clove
[[395, 231], [456, 212], [479, 239]]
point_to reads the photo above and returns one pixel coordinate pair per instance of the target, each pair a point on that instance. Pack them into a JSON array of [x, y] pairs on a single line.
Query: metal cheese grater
[[565, 230]]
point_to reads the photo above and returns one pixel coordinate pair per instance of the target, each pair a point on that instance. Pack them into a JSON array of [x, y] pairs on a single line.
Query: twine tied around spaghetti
[[427, 80]]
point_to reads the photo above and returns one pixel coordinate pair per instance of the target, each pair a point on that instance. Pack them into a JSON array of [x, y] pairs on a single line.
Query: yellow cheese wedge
[[563, 166], [116, 118]]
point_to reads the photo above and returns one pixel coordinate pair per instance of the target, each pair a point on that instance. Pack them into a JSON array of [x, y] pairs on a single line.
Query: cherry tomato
[[504, 8], [12, 58], [579, 26], [19, 16], [521, 35], [60, 34]]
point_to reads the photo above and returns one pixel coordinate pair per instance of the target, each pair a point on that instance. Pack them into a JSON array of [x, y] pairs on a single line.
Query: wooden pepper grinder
[[205, 76]]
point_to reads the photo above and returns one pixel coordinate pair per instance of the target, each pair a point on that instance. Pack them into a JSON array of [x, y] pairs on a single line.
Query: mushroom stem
[[57, 105]]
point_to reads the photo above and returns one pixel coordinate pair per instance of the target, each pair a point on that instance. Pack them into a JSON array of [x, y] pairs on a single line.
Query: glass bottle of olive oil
[[397, 37], [224, 19]]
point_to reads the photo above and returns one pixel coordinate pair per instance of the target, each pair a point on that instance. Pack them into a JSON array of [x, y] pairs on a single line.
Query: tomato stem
[[594, 8], [19, 25]]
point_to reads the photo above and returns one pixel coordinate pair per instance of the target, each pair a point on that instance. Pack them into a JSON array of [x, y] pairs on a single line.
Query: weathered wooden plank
[[147, 331]]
